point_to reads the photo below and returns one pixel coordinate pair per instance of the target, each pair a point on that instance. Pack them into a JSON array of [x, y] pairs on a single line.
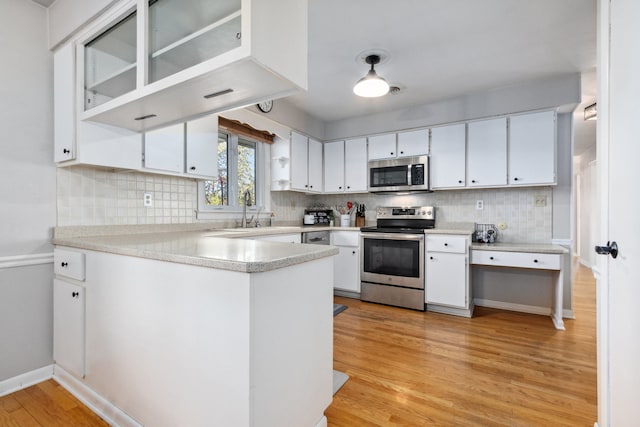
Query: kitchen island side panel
[[292, 338], [168, 343]]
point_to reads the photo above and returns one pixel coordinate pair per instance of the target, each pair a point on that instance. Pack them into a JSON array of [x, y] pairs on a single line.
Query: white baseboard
[[322, 422], [531, 309], [98, 404], [25, 380]]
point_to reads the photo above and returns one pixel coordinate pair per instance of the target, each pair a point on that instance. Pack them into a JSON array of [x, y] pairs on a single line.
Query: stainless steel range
[[392, 265]]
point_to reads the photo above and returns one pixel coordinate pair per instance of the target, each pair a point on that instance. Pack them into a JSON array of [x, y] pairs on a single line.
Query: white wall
[[587, 207], [28, 196], [68, 16]]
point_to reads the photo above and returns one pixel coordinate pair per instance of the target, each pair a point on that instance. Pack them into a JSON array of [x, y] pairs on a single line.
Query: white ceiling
[[440, 49]]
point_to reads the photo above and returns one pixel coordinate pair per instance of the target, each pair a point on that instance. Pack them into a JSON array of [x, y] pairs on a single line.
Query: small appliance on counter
[[317, 216], [485, 233]]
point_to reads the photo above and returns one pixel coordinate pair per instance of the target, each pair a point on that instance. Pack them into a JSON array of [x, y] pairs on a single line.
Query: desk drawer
[[446, 243], [516, 259], [68, 264]]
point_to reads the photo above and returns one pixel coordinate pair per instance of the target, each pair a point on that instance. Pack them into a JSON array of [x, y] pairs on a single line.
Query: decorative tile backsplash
[[90, 196], [513, 206]]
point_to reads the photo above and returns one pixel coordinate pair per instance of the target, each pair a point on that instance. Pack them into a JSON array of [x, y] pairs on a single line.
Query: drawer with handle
[[446, 243], [516, 259], [68, 263]]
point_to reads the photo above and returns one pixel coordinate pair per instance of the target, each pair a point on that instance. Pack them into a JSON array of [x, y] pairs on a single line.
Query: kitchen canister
[[345, 220]]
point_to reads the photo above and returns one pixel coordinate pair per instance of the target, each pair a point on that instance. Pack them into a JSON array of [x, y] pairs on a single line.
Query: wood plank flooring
[[48, 405], [500, 368], [409, 368]]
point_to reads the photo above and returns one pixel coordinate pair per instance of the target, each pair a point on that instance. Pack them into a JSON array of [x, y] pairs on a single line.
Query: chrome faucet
[[247, 202]]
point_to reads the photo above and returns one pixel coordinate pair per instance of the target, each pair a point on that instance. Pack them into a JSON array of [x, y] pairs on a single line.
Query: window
[[238, 172]]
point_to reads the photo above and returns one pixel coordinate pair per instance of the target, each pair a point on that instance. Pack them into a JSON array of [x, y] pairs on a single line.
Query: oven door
[[393, 259]]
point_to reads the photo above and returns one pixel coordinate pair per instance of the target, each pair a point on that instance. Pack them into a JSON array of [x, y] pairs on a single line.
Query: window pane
[[246, 170], [217, 192]]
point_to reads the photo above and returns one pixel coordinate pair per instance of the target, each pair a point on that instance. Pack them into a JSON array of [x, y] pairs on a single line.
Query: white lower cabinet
[[69, 326], [447, 279], [346, 265]]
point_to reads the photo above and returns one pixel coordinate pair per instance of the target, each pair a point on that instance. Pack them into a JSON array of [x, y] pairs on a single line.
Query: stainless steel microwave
[[399, 175]]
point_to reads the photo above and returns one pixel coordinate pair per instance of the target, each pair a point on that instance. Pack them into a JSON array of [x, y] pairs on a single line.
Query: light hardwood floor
[[409, 368], [499, 368]]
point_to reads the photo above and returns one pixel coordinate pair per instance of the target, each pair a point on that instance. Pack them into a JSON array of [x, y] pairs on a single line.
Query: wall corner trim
[[25, 380], [25, 260]]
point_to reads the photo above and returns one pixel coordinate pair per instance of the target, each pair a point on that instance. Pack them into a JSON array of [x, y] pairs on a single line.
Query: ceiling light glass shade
[[371, 86]]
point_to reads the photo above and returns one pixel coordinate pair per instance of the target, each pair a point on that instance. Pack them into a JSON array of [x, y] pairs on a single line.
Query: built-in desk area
[[530, 256]]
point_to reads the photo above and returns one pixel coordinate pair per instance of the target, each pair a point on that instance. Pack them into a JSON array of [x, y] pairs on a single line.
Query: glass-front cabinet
[[144, 64], [110, 63]]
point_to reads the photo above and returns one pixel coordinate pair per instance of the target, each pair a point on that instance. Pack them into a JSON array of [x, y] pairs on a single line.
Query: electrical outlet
[[479, 204], [147, 200], [541, 201]]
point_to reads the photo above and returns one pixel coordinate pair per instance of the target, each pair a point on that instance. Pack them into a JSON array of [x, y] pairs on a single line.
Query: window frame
[[232, 171]]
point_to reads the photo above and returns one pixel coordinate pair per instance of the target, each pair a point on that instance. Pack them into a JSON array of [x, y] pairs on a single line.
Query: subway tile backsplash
[[90, 196]]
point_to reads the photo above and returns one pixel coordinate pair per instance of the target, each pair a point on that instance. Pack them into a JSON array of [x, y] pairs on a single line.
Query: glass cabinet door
[[110, 63], [183, 33]]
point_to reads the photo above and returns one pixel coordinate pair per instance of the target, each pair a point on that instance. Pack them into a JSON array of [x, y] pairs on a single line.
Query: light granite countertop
[[224, 249], [538, 248]]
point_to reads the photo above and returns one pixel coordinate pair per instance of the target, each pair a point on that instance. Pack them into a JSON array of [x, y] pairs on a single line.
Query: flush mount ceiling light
[[371, 85], [591, 112]]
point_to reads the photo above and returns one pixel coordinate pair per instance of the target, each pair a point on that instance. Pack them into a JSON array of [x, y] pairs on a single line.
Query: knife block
[[359, 221]]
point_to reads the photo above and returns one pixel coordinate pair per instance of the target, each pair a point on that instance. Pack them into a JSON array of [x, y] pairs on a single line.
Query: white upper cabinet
[[355, 162], [202, 147], [382, 146], [334, 165], [299, 162], [532, 148], [345, 166], [487, 153], [174, 59], [85, 142], [164, 149], [448, 156], [413, 143], [315, 165]]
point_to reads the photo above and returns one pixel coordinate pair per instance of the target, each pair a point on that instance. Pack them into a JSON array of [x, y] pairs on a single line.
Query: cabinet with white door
[[532, 148], [186, 148], [69, 311], [346, 265], [447, 278], [77, 142], [487, 153], [448, 156], [402, 144], [345, 166], [305, 163]]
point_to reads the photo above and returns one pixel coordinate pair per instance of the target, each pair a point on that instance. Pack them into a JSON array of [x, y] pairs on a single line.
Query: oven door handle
[[393, 236]]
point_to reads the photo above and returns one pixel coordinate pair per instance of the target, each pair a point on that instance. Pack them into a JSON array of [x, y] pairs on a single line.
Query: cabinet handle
[[459, 181], [354, 252], [192, 168], [238, 36], [306, 186], [348, 187], [430, 257], [473, 181], [491, 258], [446, 244], [75, 294], [515, 179], [402, 152], [64, 264], [66, 151], [340, 188], [535, 260], [311, 186], [391, 153]]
